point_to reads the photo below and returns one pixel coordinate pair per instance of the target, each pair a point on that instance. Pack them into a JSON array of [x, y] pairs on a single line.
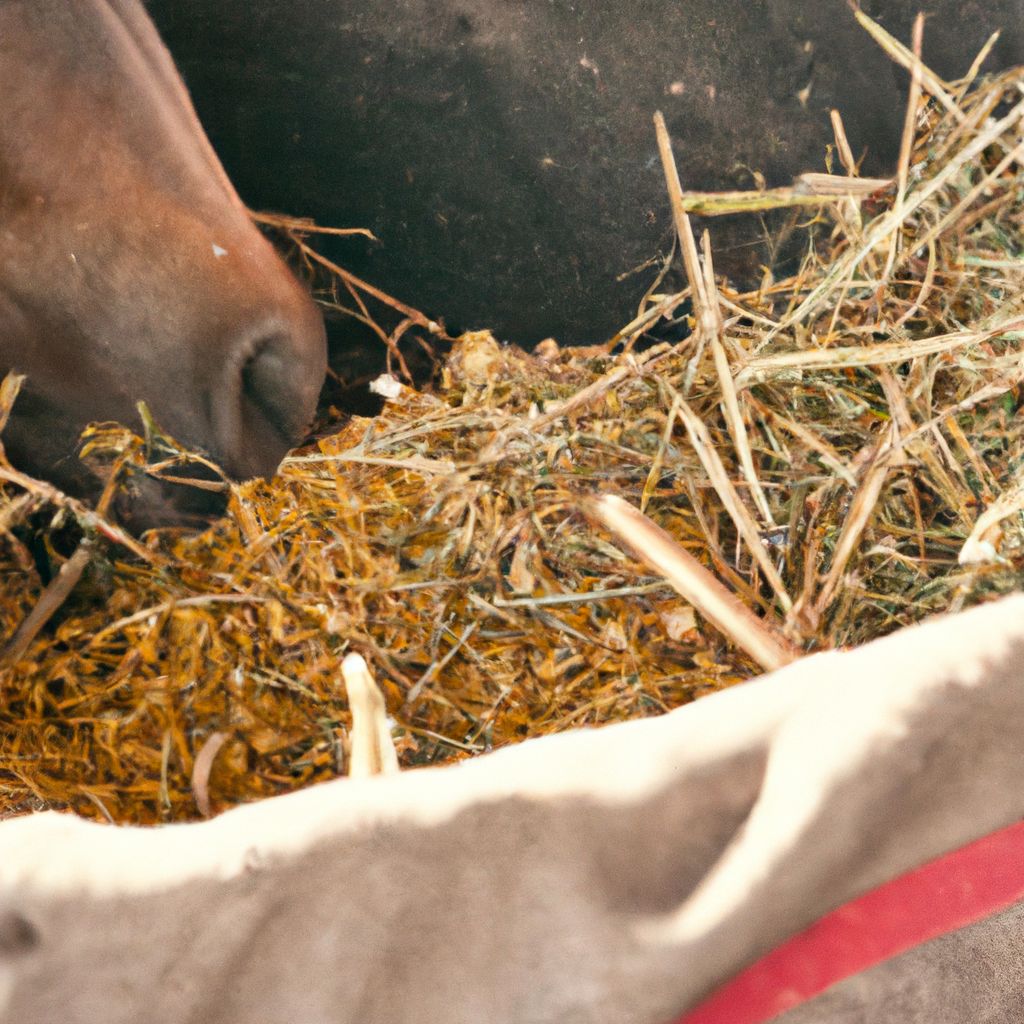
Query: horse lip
[[151, 502]]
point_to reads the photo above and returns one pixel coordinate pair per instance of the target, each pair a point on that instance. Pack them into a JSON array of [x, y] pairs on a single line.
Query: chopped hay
[[825, 445]]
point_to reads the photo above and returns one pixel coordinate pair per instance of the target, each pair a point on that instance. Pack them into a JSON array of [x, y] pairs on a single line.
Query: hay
[[827, 445]]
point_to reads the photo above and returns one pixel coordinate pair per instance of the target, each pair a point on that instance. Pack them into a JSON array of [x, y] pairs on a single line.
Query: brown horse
[[129, 268]]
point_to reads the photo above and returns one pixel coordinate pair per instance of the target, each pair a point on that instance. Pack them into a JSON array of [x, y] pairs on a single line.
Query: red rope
[[951, 892]]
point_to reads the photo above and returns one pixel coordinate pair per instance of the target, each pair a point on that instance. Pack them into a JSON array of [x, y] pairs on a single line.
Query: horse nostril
[[283, 384], [263, 384]]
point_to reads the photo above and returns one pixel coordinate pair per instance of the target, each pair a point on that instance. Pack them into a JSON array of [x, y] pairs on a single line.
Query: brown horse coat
[[129, 269]]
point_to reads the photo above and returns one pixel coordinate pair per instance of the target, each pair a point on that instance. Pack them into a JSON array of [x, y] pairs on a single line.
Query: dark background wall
[[504, 153]]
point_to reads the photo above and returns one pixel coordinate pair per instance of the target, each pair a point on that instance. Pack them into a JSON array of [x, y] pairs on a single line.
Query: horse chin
[[150, 502]]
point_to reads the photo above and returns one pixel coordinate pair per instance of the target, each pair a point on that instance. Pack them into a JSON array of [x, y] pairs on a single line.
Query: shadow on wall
[[504, 154]]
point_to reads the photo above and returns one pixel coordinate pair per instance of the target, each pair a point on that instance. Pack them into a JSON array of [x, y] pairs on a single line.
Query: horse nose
[[260, 404]]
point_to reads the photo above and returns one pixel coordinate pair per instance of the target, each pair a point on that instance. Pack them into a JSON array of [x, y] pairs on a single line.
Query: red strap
[[949, 893]]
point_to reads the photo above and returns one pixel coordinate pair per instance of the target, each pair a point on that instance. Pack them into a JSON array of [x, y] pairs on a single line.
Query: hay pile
[[842, 449]]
